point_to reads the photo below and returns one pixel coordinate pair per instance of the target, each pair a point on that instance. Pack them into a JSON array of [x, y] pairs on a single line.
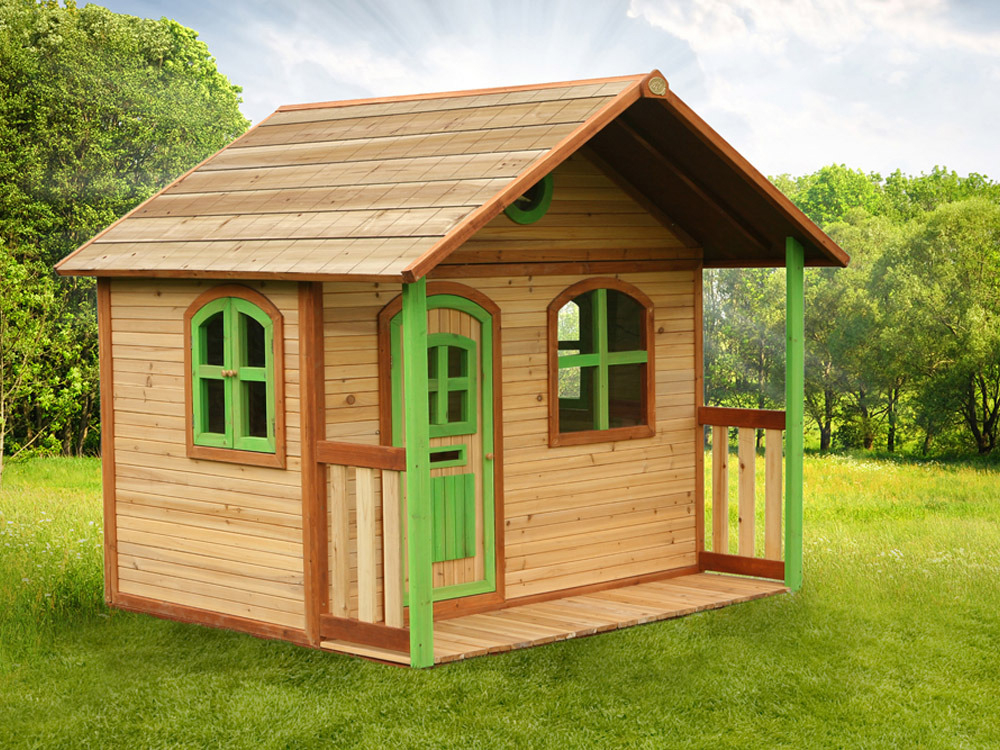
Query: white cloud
[[877, 84]]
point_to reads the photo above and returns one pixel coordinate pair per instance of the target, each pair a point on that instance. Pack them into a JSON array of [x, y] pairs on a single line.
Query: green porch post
[[794, 404], [418, 475]]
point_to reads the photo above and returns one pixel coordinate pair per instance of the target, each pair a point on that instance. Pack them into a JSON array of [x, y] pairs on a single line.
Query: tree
[[97, 111], [951, 274]]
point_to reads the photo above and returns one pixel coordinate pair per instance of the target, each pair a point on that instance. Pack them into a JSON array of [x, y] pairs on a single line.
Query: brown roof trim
[[451, 94], [811, 233], [184, 273], [92, 240], [535, 171]]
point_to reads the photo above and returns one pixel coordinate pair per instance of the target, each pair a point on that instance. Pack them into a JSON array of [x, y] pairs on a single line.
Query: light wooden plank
[[365, 498], [339, 541], [371, 652], [746, 439], [772, 494], [392, 565], [720, 489]]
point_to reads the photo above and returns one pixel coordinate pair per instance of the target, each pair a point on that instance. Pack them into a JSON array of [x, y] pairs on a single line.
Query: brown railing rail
[[747, 422], [762, 419]]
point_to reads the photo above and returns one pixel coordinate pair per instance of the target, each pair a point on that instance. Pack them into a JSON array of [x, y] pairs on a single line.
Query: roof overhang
[[654, 141]]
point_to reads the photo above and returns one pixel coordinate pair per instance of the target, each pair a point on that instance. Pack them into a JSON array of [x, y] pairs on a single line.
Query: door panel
[[460, 417]]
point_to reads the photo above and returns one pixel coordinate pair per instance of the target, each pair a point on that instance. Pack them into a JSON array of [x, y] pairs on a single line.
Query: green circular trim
[[532, 206]]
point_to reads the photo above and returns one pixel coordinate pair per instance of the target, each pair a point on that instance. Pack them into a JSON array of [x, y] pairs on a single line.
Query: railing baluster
[[772, 494], [339, 541], [747, 455], [392, 568], [364, 493], [720, 489]]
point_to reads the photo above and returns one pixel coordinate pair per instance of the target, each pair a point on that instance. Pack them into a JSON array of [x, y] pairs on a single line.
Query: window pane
[[456, 406], [213, 334], [578, 414], [255, 404], [253, 344], [432, 362], [625, 395], [214, 405], [580, 324], [456, 362], [625, 317], [432, 402], [569, 382], [569, 328]]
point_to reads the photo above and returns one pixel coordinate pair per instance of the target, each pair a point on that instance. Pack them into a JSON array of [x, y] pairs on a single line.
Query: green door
[[460, 423]]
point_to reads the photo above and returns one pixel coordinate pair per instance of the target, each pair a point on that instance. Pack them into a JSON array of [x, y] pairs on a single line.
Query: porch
[[527, 625]]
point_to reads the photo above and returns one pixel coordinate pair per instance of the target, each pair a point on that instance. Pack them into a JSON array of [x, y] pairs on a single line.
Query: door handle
[[489, 457]]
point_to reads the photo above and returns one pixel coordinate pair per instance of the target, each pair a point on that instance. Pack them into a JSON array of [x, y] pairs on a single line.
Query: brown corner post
[[313, 419]]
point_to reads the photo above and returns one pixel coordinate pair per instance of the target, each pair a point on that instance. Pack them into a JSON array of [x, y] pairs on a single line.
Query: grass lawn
[[894, 641]]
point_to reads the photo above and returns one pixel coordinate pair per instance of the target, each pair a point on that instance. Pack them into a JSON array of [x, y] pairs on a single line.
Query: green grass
[[894, 641]]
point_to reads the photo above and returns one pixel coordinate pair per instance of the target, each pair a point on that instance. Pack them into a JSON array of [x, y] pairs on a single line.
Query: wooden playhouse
[[420, 378]]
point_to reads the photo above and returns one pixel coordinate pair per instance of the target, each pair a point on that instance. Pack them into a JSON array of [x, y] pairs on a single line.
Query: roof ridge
[[456, 94]]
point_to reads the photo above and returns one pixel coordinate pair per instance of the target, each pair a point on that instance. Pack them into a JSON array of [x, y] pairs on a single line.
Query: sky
[[794, 85]]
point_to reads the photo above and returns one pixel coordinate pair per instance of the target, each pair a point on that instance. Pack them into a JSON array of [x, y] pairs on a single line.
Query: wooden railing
[[372, 468], [747, 422]]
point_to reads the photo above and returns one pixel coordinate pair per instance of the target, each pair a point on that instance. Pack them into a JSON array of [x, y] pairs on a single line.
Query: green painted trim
[[399, 420], [794, 406], [536, 208], [236, 404], [418, 475], [443, 385], [601, 359], [451, 462], [579, 360], [637, 357], [453, 525]]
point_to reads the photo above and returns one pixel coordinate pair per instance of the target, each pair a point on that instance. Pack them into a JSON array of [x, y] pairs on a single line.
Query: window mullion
[[602, 418], [231, 320], [441, 417]]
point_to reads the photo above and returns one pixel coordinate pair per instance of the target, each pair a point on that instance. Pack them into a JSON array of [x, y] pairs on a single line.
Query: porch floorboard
[[525, 625]]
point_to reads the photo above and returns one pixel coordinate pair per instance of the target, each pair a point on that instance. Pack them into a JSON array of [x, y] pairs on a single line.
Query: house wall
[[578, 515], [206, 534], [574, 515]]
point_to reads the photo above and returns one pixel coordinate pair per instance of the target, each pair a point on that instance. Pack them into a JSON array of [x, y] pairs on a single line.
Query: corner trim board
[[106, 365]]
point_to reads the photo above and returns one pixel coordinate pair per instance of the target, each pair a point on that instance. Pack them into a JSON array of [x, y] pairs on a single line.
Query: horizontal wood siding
[[216, 536], [591, 219], [579, 515], [350, 326]]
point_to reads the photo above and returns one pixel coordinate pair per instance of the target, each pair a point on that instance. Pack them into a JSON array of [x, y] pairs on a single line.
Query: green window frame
[[233, 386], [451, 384], [533, 204], [611, 394]]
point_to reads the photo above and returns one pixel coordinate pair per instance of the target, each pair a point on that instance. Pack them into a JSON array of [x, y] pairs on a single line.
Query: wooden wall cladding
[[201, 534], [581, 515]]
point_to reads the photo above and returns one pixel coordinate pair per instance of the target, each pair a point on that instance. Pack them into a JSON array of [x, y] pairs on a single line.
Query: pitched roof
[[383, 189]]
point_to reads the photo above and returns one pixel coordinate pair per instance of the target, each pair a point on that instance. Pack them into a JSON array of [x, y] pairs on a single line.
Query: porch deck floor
[[522, 626]]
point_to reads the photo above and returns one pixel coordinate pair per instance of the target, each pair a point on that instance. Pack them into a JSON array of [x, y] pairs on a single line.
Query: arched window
[[234, 377], [600, 363]]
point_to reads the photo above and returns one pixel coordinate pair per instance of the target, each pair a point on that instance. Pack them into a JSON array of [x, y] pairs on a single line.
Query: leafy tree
[[97, 111], [828, 195], [952, 275]]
